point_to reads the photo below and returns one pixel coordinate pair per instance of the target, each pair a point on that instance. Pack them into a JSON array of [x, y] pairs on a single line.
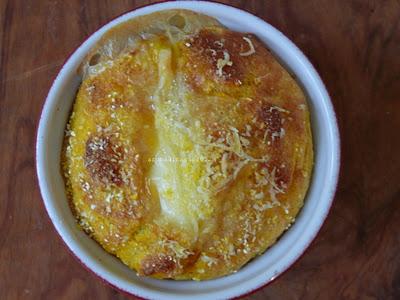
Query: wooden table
[[355, 46]]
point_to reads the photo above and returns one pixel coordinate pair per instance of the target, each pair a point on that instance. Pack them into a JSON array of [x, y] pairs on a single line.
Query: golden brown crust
[[189, 153], [163, 264], [101, 160]]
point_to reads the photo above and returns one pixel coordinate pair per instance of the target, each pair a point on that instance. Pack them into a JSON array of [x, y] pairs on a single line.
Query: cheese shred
[[251, 50]]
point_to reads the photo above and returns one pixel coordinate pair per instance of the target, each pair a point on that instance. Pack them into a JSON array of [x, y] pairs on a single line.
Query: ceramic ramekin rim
[[43, 126]]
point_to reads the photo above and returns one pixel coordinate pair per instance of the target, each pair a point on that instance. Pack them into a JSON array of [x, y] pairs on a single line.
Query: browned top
[[187, 135]]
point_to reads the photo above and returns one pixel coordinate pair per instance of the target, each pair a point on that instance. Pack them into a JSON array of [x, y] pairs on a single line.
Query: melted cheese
[[177, 162]]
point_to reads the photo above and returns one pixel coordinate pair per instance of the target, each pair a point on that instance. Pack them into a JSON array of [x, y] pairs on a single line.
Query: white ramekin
[[259, 271]]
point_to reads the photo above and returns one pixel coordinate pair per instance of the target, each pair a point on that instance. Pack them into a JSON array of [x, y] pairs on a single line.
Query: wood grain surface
[[354, 45]]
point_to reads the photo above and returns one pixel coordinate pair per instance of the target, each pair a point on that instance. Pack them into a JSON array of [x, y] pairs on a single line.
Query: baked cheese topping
[[188, 151]]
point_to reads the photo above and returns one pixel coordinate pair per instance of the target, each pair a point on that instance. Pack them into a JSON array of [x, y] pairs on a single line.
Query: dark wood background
[[355, 46]]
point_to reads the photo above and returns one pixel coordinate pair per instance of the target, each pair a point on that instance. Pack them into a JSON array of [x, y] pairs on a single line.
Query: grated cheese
[[219, 43], [251, 50], [209, 260], [262, 207], [280, 109], [179, 252], [221, 63]]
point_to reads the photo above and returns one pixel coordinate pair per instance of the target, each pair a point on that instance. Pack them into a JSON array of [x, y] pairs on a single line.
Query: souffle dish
[[188, 151]]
